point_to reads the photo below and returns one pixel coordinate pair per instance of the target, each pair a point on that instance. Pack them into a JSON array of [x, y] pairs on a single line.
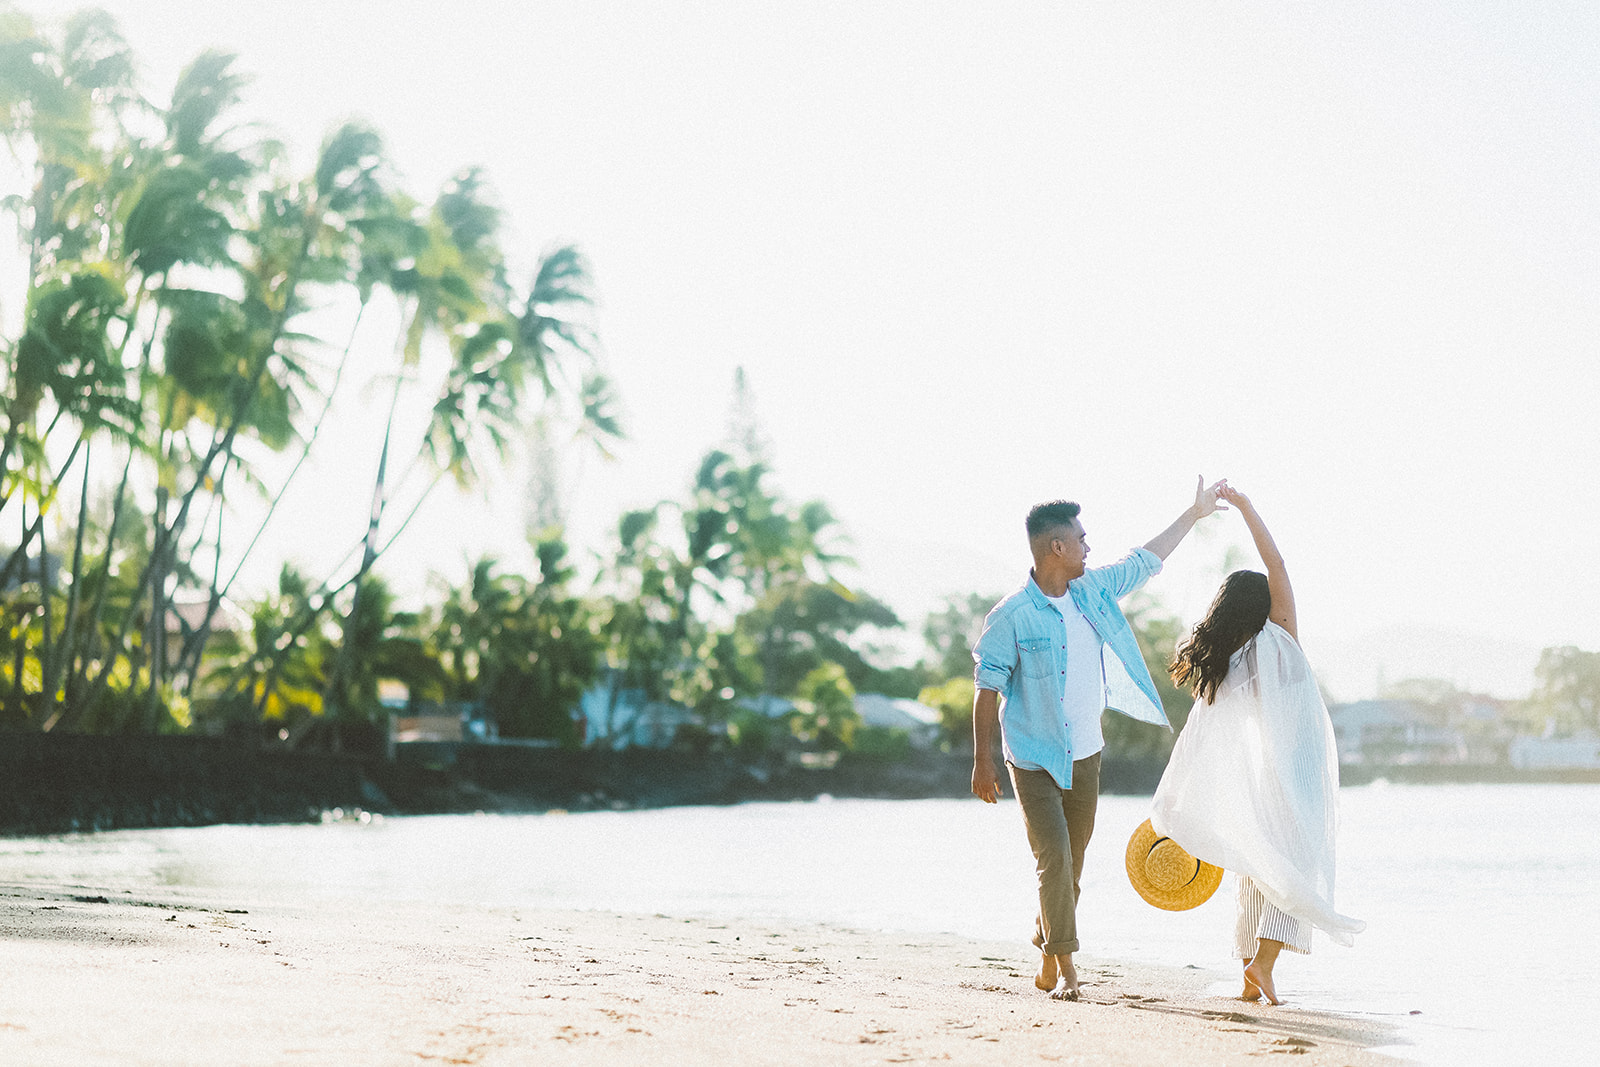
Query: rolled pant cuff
[[1058, 948]]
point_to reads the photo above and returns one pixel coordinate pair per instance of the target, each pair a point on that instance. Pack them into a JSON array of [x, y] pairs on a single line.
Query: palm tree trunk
[[156, 641], [30, 532], [332, 697], [46, 595], [16, 710], [221, 442], [65, 651], [13, 429], [13, 705], [194, 647], [77, 678], [97, 688]]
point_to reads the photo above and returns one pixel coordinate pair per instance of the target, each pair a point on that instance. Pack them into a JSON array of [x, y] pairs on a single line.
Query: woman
[[1253, 782]]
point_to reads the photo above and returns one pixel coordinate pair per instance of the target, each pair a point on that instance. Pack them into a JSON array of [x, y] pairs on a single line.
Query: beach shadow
[[89, 915], [1295, 1024]]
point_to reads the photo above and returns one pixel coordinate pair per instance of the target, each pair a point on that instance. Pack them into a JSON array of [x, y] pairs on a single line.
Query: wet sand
[[96, 975]]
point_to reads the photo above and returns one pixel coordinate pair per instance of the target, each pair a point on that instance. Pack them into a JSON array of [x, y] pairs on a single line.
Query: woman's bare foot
[[1263, 981], [1252, 992], [1258, 972], [1057, 977]]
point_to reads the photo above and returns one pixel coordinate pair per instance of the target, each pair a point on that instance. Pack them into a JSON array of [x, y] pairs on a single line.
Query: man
[[1060, 651]]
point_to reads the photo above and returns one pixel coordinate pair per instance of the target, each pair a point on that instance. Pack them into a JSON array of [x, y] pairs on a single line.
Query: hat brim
[[1171, 879]]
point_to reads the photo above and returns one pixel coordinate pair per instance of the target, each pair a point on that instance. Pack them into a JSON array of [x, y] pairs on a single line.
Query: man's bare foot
[[1058, 977], [1049, 973], [1067, 988], [1261, 978]]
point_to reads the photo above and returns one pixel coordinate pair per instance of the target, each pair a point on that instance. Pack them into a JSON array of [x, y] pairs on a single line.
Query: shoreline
[[102, 975], [53, 784]]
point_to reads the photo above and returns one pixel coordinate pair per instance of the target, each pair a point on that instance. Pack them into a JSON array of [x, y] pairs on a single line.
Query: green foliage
[[729, 597], [825, 717], [277, 668], [1567, 689], [521, 649], [173, 258], [66, 353], [1158, 635], [881, 744], [752, 732], [800, 625], [951, 632], [953, 699], [382, 642], [177, 218], [898, 681], [172, 255]]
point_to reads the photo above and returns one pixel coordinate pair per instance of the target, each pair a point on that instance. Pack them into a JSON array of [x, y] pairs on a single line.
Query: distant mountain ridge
[[1358, 668]]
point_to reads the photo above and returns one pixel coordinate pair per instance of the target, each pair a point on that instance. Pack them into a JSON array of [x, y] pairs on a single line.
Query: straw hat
[[1166, 875]]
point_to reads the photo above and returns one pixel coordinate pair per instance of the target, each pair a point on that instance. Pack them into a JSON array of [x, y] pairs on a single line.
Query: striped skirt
[[1259, 919]]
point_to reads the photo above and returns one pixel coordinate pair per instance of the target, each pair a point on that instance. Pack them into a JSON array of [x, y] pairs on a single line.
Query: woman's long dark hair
[[1237, 614]]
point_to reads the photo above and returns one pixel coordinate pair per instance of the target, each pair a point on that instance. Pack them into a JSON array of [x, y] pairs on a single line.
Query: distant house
[[918, 720], [1556, 753], [183, 617], [1485, 723], [1394, 732], [900, 713], [32, 570], [189, 617], [429, 729], [626, 718]]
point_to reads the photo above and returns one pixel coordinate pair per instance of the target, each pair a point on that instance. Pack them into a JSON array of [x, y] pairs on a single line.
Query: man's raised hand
[[1205, 502], [1206, 497]]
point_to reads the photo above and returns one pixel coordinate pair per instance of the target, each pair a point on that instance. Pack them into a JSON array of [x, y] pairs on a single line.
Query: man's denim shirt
[[1022, 655]]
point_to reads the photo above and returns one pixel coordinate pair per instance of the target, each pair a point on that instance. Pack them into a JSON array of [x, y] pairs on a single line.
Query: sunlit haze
[[976, 255]]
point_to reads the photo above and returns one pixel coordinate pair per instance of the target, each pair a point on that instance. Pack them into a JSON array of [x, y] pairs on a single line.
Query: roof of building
[[896, 713]]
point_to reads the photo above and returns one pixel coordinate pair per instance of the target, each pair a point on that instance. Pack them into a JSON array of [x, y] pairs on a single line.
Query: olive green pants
[[1060, 823]]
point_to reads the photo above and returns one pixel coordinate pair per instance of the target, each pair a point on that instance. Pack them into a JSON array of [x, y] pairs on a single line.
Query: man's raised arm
[[1205, 502]]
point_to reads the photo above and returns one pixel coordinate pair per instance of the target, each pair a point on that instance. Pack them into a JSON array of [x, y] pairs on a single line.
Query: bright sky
[[975, 255]]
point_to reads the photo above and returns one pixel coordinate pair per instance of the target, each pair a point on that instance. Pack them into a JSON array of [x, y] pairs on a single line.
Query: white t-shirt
[[1086, 686]]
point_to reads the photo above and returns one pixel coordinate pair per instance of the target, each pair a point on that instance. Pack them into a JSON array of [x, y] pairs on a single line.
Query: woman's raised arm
[[1278, 586]]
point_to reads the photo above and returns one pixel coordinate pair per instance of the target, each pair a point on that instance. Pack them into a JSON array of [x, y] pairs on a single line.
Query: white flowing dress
[[1253, 782]]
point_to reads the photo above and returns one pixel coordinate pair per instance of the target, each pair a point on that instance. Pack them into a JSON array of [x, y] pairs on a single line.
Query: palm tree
[[520, 649], [640, 618], [505, 352], [232, 367], [172, 255], [278, 665], [64, 371]]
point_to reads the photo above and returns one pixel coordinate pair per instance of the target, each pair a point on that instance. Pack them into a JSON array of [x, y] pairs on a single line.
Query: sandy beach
[[97, 975]]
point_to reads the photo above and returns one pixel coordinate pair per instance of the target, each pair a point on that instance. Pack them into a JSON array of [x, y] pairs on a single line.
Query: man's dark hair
[[1048, 516]]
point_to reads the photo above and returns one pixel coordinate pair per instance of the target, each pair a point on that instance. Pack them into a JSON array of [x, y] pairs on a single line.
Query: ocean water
[[1482, 902]]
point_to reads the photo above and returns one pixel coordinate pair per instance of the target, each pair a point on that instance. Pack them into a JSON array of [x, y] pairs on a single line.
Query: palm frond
[[348, 170], [172, 223], [206, 89], [94, 54]]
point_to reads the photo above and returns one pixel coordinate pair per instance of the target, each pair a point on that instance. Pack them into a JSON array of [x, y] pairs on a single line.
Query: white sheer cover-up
[[1253, 782]]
